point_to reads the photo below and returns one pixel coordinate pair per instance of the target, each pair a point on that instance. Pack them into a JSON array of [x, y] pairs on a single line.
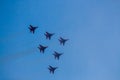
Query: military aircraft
[[62, 41], [49, 35], [52, 69], [42, 48], [32, 29], [57, 55]]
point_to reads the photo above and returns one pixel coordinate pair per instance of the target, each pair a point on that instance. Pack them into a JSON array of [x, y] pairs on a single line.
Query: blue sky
[[92, 53]]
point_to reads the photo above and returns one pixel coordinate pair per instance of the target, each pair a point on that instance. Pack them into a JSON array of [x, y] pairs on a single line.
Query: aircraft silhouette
[[42, 48], [52, 69], [32, 29], [49, 35], [62, 41], [57, 55]]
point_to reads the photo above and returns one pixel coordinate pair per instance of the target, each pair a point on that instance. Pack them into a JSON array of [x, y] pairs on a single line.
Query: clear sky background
[[92, 53]]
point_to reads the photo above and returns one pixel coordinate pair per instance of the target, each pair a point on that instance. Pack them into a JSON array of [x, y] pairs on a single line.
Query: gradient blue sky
[[92, 53]]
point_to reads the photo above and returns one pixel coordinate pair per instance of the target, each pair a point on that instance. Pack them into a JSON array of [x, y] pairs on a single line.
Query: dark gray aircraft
[[42, 48], [32, 29], [62, 41], [57, 55], [52, 69], [49, 35]]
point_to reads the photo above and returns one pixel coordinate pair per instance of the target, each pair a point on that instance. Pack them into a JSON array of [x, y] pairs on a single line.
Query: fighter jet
[[42, 48], [49, 35], [32, 29], [62, 41], [57, 55], [52, 69]]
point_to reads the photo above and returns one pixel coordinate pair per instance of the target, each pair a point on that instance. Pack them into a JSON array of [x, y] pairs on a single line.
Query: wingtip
[[54, 51], [60, 37], [46, 32]]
